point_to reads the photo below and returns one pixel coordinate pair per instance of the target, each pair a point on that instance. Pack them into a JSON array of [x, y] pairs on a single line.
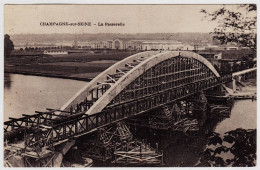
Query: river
[[26, 94]]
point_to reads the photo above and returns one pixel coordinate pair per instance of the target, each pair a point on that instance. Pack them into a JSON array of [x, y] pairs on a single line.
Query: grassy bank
[[79, 67]]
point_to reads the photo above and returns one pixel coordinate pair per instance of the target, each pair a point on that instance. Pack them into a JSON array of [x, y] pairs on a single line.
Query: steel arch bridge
[[135, 85]]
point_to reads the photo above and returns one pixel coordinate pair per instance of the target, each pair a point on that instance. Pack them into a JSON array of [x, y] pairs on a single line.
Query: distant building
[[232, 48], [117, 44], [228, 54], [55, 52], [224, 47], [102, 44], [162, 45], [133, 45], [238, 54], [188, 48], [209, 54]]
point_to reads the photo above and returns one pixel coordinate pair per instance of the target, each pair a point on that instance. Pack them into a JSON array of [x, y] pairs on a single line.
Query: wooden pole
[[126, 151], [140, 150]]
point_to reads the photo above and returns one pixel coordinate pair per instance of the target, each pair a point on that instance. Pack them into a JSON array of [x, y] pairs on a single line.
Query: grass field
[[75, 66], [104, 63]]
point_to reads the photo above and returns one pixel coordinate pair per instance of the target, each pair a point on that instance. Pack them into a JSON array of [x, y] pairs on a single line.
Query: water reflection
[[243, 115], [184, 150], [25, 94], [180, 149], [7, 81]]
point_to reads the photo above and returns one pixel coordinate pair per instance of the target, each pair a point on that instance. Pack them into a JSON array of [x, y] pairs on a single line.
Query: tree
[[8, 45], [235, 25], [241, 143]]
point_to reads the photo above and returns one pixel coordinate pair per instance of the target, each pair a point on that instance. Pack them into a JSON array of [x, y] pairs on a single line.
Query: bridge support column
[[100, 146], [199, 107], [234, 85], [61, 151], [220, 95], [183, 115]]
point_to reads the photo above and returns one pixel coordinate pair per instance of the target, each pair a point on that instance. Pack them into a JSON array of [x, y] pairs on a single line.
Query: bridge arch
[[139, 70], [85, 91], [145, 61]]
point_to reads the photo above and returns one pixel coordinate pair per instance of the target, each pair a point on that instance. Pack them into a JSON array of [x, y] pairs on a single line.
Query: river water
[[25, 94]]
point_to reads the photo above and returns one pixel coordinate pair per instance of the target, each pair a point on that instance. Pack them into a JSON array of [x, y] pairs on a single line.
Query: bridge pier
[[61, 151], [110, 142], [220, 95], [184, 115], [200, 103], [101, 144]]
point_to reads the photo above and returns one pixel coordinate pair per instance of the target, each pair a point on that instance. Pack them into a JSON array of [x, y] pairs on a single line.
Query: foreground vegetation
[[237, 149]]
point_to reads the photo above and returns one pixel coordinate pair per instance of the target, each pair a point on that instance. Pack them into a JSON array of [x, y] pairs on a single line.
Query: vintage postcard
[[130, 85]]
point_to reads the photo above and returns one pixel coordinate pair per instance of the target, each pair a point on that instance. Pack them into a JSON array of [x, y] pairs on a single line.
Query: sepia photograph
[[133, 85]]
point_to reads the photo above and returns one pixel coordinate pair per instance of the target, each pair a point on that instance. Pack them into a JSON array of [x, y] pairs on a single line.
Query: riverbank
[[83, 71], [66, 70], [83, 67], [86, 77]]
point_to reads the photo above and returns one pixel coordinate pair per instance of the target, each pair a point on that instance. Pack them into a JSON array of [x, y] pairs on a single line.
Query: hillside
[[189, 38]]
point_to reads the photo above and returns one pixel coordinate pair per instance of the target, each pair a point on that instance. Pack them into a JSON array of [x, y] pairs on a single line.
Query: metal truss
[[168, 81]]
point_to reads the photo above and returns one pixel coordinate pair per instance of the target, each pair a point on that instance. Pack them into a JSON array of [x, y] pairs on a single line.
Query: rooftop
[[162, 41]]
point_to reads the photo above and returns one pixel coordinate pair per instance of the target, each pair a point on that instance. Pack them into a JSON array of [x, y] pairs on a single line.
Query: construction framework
[[133, 86]]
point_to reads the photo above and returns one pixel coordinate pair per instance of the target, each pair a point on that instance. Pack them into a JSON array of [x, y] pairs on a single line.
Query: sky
[[24, 19]]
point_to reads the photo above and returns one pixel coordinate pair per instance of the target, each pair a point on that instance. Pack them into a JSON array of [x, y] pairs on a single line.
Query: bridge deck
[[244, 72], [172, 77]]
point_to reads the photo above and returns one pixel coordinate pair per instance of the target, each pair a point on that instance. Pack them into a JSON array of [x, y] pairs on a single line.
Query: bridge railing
[[225, 78], [34, 120], [254, 69], [51, 135]]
